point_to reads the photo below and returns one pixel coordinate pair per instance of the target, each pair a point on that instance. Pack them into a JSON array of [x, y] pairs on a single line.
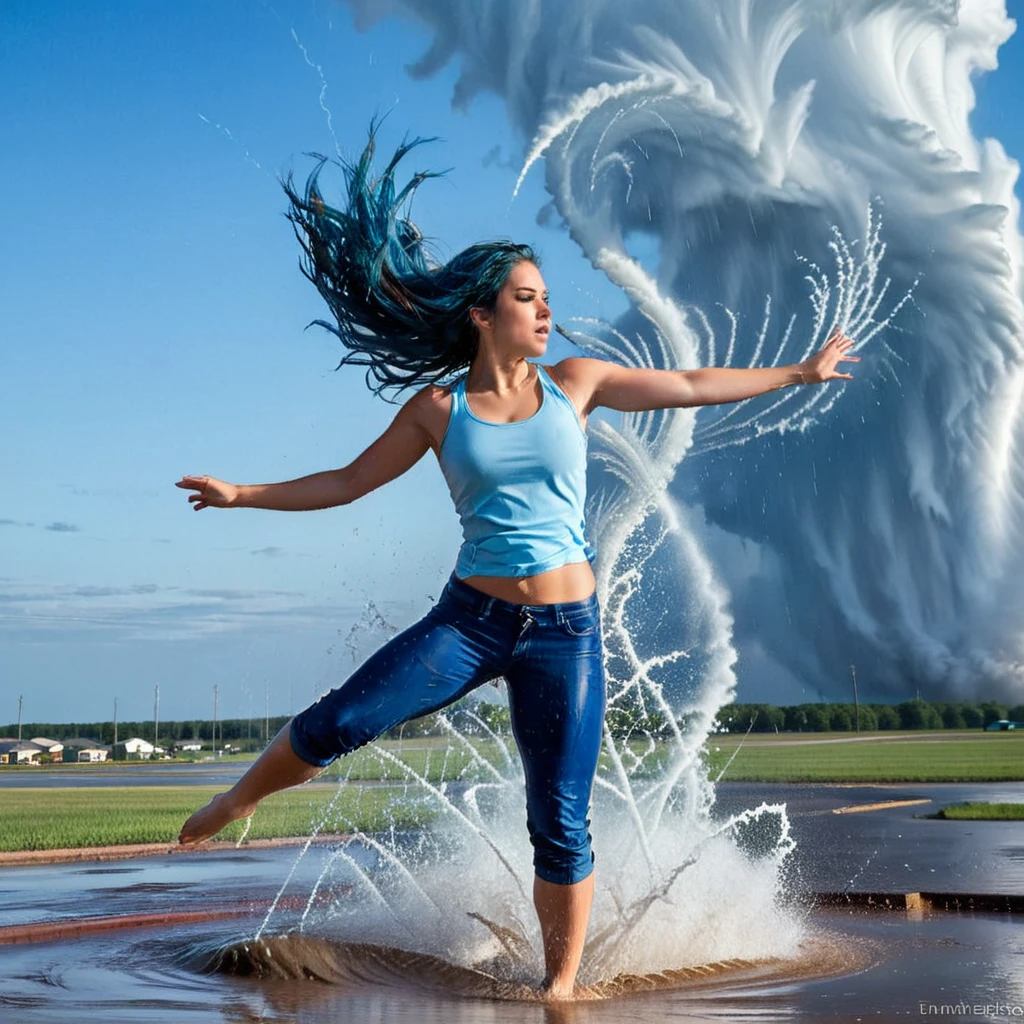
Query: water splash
[[670, 868]]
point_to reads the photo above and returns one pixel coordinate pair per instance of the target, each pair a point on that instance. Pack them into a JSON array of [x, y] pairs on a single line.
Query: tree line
[[911, 714]]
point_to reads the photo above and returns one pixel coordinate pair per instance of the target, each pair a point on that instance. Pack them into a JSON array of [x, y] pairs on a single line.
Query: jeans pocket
[[582, 622]]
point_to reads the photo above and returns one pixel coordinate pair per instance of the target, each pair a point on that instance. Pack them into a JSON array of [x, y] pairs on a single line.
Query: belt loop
[[487, 606]]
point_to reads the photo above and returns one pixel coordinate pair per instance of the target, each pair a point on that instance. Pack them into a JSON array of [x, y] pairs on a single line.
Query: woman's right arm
[[395, 452]]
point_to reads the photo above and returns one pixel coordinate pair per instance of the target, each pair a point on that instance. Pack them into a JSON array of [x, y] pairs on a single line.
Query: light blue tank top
[[519, 488]]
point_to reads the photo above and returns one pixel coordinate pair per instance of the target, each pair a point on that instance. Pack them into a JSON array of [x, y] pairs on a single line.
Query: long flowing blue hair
[[397, 310]]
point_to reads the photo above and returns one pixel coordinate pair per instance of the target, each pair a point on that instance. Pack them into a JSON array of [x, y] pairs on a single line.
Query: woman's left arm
[[597, 382]]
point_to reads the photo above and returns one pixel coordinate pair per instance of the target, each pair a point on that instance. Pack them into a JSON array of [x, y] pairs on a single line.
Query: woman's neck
[[502, 377]]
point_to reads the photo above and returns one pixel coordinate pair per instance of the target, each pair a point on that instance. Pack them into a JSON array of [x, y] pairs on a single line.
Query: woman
[[508, 433]]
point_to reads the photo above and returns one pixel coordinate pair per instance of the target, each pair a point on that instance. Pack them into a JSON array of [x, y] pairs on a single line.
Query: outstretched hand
[[210, 492], [822, 367]]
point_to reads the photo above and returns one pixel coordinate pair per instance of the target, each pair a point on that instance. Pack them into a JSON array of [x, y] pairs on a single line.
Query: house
[[19, 752], [53, 747], [1002, 725], [81, 749], [135, 749]]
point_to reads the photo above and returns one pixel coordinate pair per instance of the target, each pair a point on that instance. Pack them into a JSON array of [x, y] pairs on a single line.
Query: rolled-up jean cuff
[[301, 749], [565, 876]]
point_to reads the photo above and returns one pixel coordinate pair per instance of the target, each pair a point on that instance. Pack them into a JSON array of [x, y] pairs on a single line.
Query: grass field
[[982, 812], [872, 757], [54, 819]]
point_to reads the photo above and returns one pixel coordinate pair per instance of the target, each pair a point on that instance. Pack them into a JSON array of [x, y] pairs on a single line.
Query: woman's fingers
[[199, 484]]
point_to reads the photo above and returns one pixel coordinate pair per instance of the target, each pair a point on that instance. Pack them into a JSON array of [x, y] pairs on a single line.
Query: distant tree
[[818, 717], [769, 718], [1016, 713], [953, 717], [734, 717], [497, 716], [912, 714], [839, 719], [972, 716], [868, 719], [888, 717], [795, 718]]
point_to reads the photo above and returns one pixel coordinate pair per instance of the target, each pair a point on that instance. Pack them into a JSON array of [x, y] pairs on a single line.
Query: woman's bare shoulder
[[431, 406], [577, 377]]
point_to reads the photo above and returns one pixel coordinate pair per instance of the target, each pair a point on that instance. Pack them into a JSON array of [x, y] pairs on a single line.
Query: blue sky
[[152, 324]]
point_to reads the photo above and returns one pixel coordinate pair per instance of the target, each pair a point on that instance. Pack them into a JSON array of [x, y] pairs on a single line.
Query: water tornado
[[883, 525]]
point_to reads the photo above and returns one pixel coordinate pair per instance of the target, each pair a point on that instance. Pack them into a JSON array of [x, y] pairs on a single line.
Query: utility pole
[[266, 715], [115, 721], [216, 694], [20, 700], [856, 702], [156, 717]]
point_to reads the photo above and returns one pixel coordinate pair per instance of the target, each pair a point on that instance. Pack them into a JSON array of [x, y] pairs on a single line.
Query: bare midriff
[[568, 583]]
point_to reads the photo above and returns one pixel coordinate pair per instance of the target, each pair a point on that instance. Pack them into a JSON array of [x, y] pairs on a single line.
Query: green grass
[[435, 758], [42, 819], [984, 757], [982, 812], [52, 819]]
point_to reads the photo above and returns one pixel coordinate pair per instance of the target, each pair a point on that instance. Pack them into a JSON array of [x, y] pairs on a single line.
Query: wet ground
[[872, 965], [900, 849]]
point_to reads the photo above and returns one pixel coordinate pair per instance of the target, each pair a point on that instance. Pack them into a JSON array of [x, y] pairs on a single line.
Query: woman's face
[[520, 322]]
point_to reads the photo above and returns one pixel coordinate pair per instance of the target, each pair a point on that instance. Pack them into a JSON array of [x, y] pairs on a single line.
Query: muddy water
[[853, 966]]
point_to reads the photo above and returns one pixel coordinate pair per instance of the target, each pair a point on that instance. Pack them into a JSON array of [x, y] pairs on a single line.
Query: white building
[[54, 747], [135, 749], [81, 749], [19, 752]]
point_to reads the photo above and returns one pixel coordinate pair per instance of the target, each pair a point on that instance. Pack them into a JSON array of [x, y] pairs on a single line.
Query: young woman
[[508, 433]]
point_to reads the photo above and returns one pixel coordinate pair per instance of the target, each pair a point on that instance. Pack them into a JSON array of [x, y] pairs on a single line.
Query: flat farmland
[[868, 757]]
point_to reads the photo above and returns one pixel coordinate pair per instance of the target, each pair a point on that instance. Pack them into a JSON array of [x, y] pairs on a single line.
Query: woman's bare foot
[[560, 993], [209, 820]]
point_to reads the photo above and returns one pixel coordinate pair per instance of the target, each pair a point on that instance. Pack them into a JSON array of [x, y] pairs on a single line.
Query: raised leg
[[423, 669], [277, 768]]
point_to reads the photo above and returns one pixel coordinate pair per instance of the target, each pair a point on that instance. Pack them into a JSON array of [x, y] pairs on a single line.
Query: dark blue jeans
[[551, 657]]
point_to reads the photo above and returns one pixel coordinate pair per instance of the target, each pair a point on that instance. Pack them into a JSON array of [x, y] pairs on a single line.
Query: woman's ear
[[481, 316]]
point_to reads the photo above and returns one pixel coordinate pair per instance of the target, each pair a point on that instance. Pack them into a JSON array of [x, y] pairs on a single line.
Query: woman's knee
[[330, 728], [559, 829], [562, 854]]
